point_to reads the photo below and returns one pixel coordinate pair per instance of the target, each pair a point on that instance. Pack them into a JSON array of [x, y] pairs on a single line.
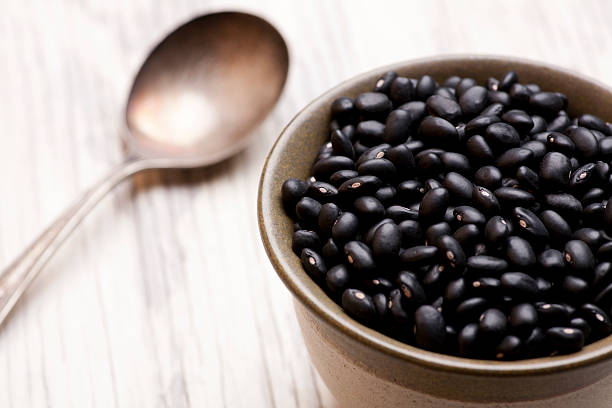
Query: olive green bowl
[[363, 367]]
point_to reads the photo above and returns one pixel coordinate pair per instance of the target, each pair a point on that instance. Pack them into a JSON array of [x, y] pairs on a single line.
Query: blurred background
[[164, 297]]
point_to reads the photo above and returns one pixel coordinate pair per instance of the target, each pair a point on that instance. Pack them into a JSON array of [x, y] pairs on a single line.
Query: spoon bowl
[[204, 87]]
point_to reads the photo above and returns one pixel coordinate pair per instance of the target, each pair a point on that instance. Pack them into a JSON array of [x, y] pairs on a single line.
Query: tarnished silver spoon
[[196, 98]]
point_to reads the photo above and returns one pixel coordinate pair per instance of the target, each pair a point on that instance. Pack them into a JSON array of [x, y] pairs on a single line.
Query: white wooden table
[[164, 297]]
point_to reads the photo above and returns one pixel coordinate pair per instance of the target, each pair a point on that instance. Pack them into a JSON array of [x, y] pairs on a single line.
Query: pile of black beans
[[464, 219]]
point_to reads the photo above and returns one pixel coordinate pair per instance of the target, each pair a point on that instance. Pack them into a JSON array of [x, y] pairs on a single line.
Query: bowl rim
[[319, 304]]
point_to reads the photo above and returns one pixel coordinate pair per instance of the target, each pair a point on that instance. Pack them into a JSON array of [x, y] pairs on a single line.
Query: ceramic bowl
[[363, 367]]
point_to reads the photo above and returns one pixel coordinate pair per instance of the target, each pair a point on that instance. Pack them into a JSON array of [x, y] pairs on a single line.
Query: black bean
[[431, 184], [416, 109], [519, 94], [479, 124], [469, 345], [452, 251], [592, 237], [559, 229], [438, 132], [444, 107], [552, 263], [345, 228], [582, 177], [548, 104], [565, 339], [435, 231], [510, 78], [411, 233], [489, 177], [604, 298], [497, 230], [467, 235], [359, 257], [538, 149], [359, 305], [396, 307], [593, 195], [435, 278], [594, 123], [331, 252], [578, 256], [383, 84], [342, 145], [510, 197], [510, 348], [582, 325], [605, 148], [343, 110], [307, 211], [552, 314], [399, 213], [379, 285], [337, 279], [369, 236], [555, 170], [502, 136], [519, 119], [597, 319], [602, 276], [539, 124], [455, 162], [324, 168], [373, 105], [535, 344], [419, 255], [429, 328], [523, 319], [360, 148], [341, 176], [370, 132], [459, 187], [529, 225], [452, 81], [387, 241], [321, 191], [469, 215], [425, 87], [359, 186], [574, 289], [313, 264], [376, 152], [485, 265], [428, 163], [604, 253], [463, 85], [494, 109], [484, 200], [402, 158], [586, 142], [512, 159], [413, 294], [369, 209], [292, 191], [486, 287], [520, 253], [381, 168], [386, 195], [566, 205], [433, 205], [471, 309], [401, 91], [558, 124], [473, 100], [397, 127], [478, 149], [305, 239], [492, 325], [519, 285], [499, 97], [455, 292], [603, 171]]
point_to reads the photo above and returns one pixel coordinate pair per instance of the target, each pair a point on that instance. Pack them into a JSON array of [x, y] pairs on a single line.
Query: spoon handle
[[16, 278]]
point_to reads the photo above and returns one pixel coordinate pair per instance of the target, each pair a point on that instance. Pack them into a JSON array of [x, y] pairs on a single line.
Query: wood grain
[[164, 297]]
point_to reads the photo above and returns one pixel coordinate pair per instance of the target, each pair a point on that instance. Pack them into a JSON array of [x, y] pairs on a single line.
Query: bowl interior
[[296, 148]]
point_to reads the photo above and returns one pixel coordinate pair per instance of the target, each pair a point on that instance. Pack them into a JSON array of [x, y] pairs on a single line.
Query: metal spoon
[[193, 103]]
